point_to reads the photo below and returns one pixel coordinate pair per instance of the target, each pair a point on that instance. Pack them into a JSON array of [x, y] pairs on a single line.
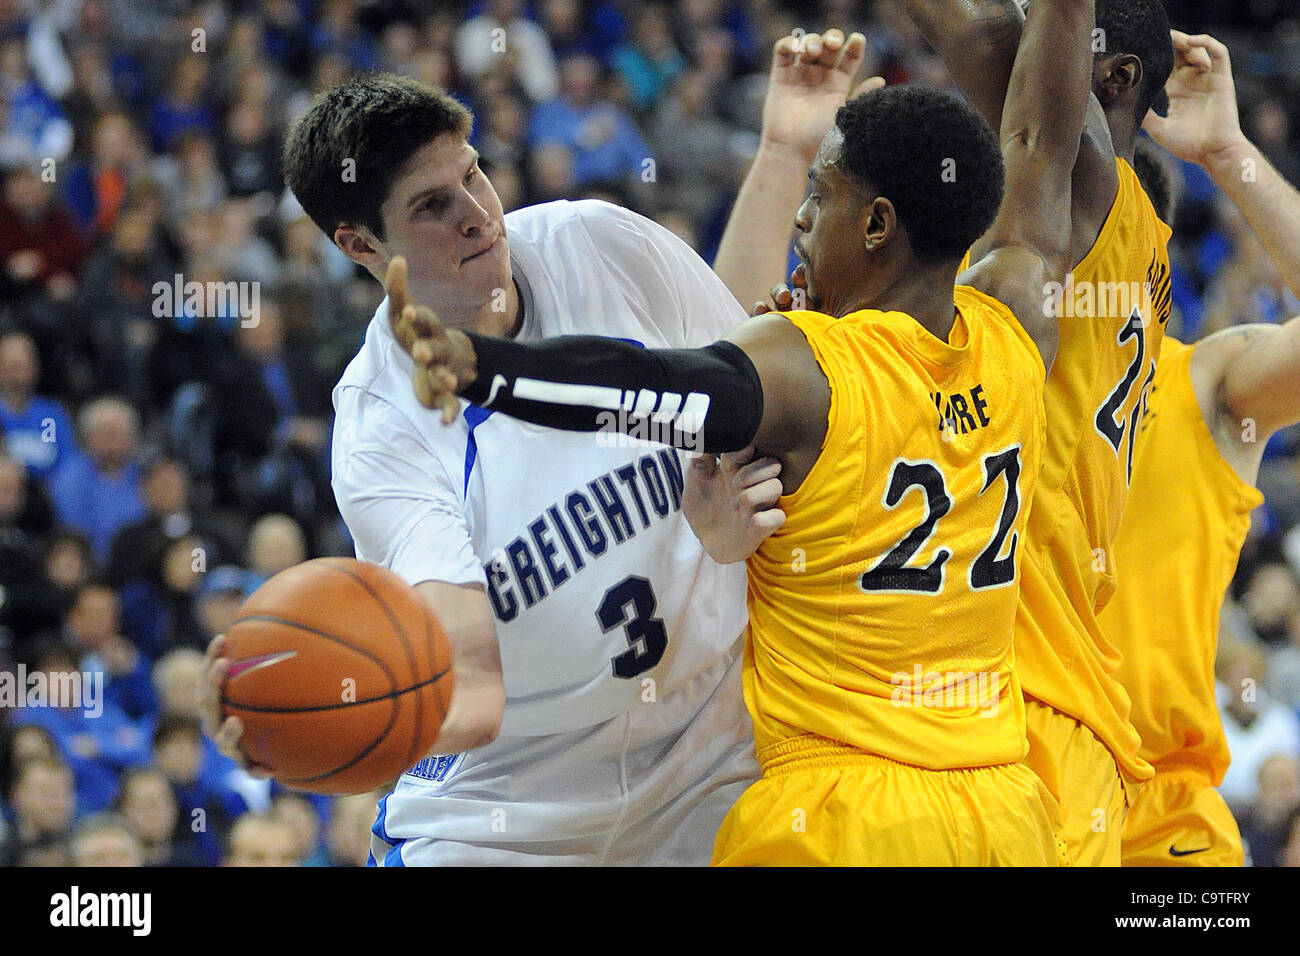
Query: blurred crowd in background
[[158, 463]]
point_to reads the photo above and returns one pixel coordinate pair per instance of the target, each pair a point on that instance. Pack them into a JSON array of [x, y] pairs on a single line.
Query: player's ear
[[358, 244], [1114, 76], [880, 222]]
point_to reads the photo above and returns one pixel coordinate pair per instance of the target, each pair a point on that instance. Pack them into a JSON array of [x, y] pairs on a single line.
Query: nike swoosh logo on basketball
[[498, 382], [1173, 852], [252, 663]]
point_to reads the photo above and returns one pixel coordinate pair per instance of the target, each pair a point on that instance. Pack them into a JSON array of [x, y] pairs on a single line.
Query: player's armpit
[[796, 394], [479, 698]]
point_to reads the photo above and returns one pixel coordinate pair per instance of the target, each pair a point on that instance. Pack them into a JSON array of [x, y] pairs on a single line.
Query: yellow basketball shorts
[[819, 803], [1179, 819], [1082, 775]]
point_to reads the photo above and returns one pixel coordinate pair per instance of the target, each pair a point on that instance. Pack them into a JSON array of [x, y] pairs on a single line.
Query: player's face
[[443, 215], [830, 226]]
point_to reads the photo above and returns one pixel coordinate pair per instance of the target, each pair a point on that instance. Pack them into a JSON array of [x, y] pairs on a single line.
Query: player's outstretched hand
[[810, 79], [1202, 118], [226, 734], [444, 358], [731, 503], [787, 296]]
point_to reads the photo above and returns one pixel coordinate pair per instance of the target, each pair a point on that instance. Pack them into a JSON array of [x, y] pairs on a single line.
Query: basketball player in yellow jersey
[[1212, 409], [1114, 307], [906, 417]]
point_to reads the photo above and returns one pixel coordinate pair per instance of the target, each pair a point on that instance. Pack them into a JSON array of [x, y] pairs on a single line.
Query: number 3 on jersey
[[631, 604], [891, 574]]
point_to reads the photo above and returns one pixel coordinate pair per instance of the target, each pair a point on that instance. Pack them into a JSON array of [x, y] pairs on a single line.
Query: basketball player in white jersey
[[598, 715]]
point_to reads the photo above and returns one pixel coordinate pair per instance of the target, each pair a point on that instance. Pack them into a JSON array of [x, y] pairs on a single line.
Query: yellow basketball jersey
[[1188, 510], [881, 613], [1113, 309]]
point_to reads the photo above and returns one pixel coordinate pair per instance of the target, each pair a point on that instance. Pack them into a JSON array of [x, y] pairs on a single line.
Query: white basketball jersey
[[601, 593]]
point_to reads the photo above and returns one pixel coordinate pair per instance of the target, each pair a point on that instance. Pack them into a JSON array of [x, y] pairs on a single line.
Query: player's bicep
[[399, 503], [1262, 383], [796, 392]]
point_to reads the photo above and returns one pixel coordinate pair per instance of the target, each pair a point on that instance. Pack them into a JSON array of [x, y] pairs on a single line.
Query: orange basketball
[[341, 674]]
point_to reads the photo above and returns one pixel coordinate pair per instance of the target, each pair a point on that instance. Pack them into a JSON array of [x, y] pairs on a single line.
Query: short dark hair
[[933, 157], [1139, 27], [172, 725], [377, 121]]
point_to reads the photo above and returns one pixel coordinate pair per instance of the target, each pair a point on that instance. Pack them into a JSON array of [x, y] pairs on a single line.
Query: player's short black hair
[[341, 157], [931, 155], [1139, 27], [1156, 172]]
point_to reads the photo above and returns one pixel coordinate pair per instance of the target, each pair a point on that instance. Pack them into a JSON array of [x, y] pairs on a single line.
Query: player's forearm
[[1270, 204], [707, 399], [1046, 106], [478, 696], [755, 247], [977, 41]]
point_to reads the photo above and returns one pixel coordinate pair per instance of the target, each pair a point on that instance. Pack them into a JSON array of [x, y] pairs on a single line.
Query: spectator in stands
[[1272, 600], [176, 679], [190, 177], [1256, 727], [261, 840], [116, 300], [67, 564], [40, 246], [169, 514], [92, 630], [31, 603], [302, 818], [501, 40], [272, 420], [43, 806], [20, 743], [98, 492], [147, 803], [249, 153], [651, 61], [347, 836], [275, 542], [106, 839], [35, 117], [1290, 853], [224, 589], [96, 187], [605, 142], [1265, 825], [178, 753], [185, 107], [98, 742], [36, 429]]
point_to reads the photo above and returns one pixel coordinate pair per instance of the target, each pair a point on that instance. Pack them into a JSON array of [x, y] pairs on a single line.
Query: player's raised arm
[[1202, 127], [978, 42], [810, 79], [1029, 244]]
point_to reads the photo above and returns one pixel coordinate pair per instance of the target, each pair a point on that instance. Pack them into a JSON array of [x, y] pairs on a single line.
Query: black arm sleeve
[[707, 399]]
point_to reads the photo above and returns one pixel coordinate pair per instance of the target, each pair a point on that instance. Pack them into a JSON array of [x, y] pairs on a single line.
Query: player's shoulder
[[610, 228]]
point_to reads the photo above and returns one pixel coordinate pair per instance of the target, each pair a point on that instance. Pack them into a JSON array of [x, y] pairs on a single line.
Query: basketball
[[341, 674]]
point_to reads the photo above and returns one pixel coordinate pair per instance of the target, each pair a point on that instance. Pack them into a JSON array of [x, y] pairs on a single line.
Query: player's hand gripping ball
[[341, 675]]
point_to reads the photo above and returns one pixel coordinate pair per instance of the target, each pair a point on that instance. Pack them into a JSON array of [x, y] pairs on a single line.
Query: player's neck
[[501, 314], [923, 292], [1123, 134]]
